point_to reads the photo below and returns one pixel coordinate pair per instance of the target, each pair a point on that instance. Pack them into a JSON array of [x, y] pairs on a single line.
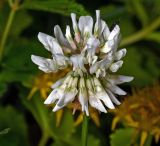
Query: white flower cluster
[[92, 52]]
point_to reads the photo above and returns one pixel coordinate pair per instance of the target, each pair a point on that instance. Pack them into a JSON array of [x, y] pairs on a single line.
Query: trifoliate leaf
[[17, 65], [13, 128], [142, 66], [18, 25], [64, 7], [47, 119], [122, 137]]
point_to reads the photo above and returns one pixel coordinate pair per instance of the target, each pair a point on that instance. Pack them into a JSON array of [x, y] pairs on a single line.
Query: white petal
[[68, 32], [100, 65], [106, 32], [101, 73], [65, 99], [46, 69], [96, 103], [106, 99], [121, 53], [109, 45], [59, 36], [93, 100], [57, 107], [82, 93], [85, 24], [70, 93], [74, 22], [86, 109], [113, 98], [98, 21], [101, 94], [115, 89], [75, 27], [57, 83], [46, 65], [115, 66], [99, 25], [66, 81], [68, 97], [61, 60], [109, 56], [78, 62], [69, 37], [94, 67], [92, 43], [52, 97], [55, 48], [103, 27], [114, 32], [119, 79], [43, 39]]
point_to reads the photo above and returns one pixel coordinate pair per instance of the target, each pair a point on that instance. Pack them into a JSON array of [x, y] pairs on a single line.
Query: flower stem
[[7, 28], [43, 140], [85, 130], [141, 34], [149, 140]]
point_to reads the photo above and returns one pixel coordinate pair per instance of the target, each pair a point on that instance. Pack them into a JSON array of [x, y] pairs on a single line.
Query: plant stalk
[[85, 130], [149, 140], [43, 139], [7, 29], [141, 34]]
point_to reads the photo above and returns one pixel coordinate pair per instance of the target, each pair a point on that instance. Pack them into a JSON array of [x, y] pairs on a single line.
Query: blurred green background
[[29, 122]]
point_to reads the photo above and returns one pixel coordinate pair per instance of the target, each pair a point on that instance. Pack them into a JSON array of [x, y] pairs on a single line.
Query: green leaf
[[66, 133], [75, 140], [21, 21], [64, 7], [4, 12], [38, 110], [3, 88], [47, 120], [16, 135], [142, 66], [66, 128], [93, 141], [122, 137], [139, 9], [17, 65], [154, 36], [59, 143], [111, 13]]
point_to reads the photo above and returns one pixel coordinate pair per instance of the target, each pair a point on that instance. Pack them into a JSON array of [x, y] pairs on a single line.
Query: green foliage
[[3, 88], [112, 13], [47, 119], [136, 7], [64, 7], [4, 11], [65, 134], [16, 135], [143, 67], [122, 137], [19, 23], [18, 71]]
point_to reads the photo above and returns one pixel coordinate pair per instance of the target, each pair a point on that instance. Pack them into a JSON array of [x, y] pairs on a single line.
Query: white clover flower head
[[92, 52]]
